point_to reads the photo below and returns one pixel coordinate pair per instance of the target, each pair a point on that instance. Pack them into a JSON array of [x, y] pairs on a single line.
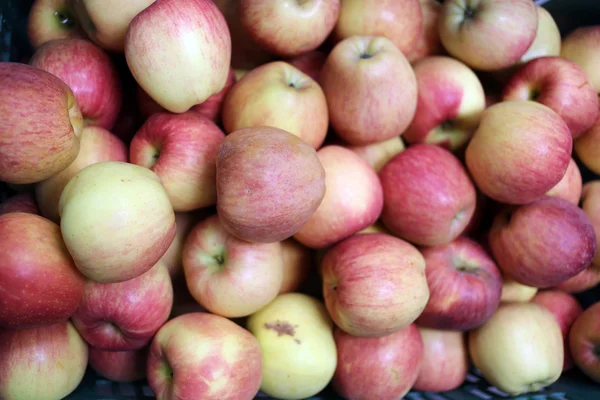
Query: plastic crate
[[573, 385]]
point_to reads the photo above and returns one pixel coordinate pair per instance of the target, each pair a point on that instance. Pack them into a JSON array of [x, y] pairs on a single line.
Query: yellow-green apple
[[96, 145], [269, 183], [20, 202], [44, 363], [353, 199], [582, 46], [90, 74], [564, 244], [584, 339], [288, 27], [173, 257], [445, 362], [204, 356], [488, 35], [570, 186], [181, 149], [310, 63], [299, 355], [378, 154], [510, 167], [520, 349], [106, 22], [229, 276], [450, 102], [40, 127], [51, 19], [179, 52], [125, 315], [117, 241], [371, 89], [428, 42], [464, 283], [377, 368], [421, 178], [298, 265], [119, 366], [587, 148], [566, 309], [559, 84], [515, 292], [401, 21], [374, 284], [39, 283], [547, 38], [279, 95]]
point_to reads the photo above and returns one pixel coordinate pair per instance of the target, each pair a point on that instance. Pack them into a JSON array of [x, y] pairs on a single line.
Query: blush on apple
[[119, 366]]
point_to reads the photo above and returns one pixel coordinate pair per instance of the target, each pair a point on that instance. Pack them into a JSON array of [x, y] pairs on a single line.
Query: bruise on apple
[[283, 328]]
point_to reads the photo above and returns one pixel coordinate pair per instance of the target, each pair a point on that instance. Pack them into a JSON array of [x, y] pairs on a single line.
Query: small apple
[[582, 45], [173, 257], [298, 265], [584, 337], [428, 43], [587, 148], [51, 19], [378, 154], [119, 366], [515, 292], [310, 63], [547, 40], [570, 186], [20, 202]]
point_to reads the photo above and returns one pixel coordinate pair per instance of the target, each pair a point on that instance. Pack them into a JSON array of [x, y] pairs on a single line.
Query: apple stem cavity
[[65, 19], [596, 350]]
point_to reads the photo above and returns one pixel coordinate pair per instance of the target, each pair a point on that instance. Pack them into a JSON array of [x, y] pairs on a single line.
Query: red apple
[[582, 45], [310, 63], [119, 366], [298, 265], [587, 148], [570, 186], [428, 42], [21, 202], [584, 337], [51, 19], [377, 368], [585, 280]]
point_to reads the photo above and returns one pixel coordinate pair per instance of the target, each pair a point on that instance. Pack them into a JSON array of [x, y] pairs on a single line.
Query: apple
[[39, 283], [515, 292], [51, 19], [547, 40], [464, 283], [587, 148], [183, 60], [585, 280], [488, 35], [510, 167], [279, 95], [570, 186], [566, 309], [310, 63], [543, 243], [520, 349], [20, 202], [450, 103], [583, 341], [380, 153], [181, 149], [422, 178], [118, 241], [401, 21], [289, 27], [269, 183], [204, 356], [90, 74], [374, 284], [377, 227], [125, 315], [299, 354], [41, 363], [581, 45], [173, 257], [353, 199], [298, 265], [428, 42], [377, 368], [559, 84], [96, 145], [229, 276], [40, 127], [445, 362], [371, 89], [119, 366]]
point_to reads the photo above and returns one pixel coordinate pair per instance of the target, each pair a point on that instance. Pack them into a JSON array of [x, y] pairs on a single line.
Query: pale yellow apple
[[379, 153], [583, 47], [515, 292], [587, 147], [547, 39]]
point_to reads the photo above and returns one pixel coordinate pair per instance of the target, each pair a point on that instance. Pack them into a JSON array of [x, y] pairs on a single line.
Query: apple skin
[[564, 244], [450, 103], [288, 27], [192, 36], [353, 199], [298, 265], [428, 43], [515, 292], [470, 31], [380, 153], [125, 315], [446, 188], [559, 84], [382, 368], [118, 242], [229, 276], [371, 89], [566, 309], [90, 74], [465, 286], [44, 363], [173, 257], [42, 138], [96, 145], [20, 202], [401, 21], [119, 366], [547, 40], [583, 341], [51, 19], [582, 45], [509, 167], [445, 362], [181, 149], [570, 186], [278, 94], [587, 148], [310, 63], [38, 279], [367, 279], [204, 356], [269, 183]]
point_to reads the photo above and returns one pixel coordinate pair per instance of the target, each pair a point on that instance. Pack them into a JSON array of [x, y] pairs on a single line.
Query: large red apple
[[584, 338], [119, 366], [51, 19]]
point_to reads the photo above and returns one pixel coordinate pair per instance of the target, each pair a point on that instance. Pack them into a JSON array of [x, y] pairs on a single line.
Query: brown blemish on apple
[[283, 328]]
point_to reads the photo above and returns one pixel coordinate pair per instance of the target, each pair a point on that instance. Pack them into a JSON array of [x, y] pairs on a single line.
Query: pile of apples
[[232, 196]]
